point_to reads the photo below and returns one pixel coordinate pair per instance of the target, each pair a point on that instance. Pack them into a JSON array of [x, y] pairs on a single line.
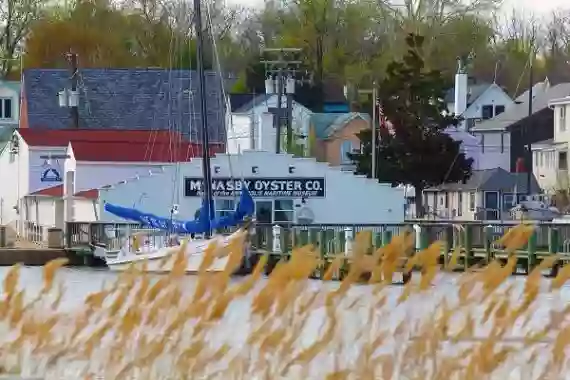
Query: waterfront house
[[286, 190], [503, 139], [42, 164], [550, 157], [145, 99], [333, 136], [482, 100], [488, 195]]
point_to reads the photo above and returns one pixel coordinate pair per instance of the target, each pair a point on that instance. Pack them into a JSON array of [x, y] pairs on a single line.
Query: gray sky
[[536, 7]]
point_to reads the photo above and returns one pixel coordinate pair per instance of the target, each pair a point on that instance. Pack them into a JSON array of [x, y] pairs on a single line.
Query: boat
[[158, 247], [164, 238]]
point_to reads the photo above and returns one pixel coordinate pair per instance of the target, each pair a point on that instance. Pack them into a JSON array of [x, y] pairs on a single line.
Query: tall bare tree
[[16, 18]]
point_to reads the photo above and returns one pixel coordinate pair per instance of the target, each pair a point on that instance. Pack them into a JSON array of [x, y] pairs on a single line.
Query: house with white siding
[[56, 173], [550, 157], [246, 129], [504, 139]]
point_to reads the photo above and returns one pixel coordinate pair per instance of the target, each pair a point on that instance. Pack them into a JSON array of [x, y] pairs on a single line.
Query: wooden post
[[531, 248], [553, 240], [386, 237], [487, 241], [314, 237], [348, 233], [553, 247], [286, 240], [277, 239], [323, 244], [340, 239], [468, 260], [303, 238], [448, 232]]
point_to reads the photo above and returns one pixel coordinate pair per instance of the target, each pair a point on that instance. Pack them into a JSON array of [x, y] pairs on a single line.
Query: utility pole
[[74, 110], [282, 70], [526, 127]]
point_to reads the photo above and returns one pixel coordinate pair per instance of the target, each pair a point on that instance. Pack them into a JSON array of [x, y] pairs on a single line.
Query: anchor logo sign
[[49, 174]]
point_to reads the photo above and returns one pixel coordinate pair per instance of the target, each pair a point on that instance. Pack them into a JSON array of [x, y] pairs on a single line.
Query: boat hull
[[162, 260]]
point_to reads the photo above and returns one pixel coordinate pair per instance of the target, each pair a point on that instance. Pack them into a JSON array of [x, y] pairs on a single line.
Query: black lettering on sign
[[259, 187]]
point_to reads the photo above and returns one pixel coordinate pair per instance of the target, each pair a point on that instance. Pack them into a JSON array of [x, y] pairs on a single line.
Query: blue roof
[[326, 124], [126, 98]]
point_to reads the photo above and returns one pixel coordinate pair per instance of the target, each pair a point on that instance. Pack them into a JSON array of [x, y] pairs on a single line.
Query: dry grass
[[144, 328]]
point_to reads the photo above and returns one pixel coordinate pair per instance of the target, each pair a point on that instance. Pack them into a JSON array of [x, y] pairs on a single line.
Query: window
[[562, 118], [5, 108], [345, 149], [459, 204], [446, 200], [487, 111], [482, 143], [499, 110], [508, 201], [284, 211], [224, 207], [562, 160], [472, 201]]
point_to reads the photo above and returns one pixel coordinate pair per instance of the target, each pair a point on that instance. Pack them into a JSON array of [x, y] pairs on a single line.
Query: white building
[[246, 130], [286, 189], [550, 157], [475, 103], [503, 139], [55, 173]]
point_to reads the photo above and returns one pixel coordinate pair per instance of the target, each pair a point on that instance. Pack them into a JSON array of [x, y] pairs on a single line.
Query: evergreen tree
[[413, 148]]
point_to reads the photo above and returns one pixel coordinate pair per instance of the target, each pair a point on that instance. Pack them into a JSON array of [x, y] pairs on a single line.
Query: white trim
[[46, 147], [559, 102]]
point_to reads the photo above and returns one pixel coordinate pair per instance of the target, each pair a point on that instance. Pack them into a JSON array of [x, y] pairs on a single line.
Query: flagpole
[[374, 105]]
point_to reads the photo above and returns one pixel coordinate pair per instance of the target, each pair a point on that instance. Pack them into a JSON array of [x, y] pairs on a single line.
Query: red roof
[[62, 137], [57, 191], [54, 191], [88, 194], [120, 145], [136, 152]]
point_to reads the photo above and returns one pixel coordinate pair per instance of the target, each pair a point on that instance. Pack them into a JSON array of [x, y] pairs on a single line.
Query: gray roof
[[254, 102], [475, 91], [538, 88], [126, 99], [518, 112], [497, 179]]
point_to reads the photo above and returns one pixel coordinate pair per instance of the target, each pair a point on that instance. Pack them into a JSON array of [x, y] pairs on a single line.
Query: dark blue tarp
[[245, 208]]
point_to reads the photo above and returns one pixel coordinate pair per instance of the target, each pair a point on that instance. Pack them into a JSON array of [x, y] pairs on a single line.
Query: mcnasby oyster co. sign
[[259, 187]]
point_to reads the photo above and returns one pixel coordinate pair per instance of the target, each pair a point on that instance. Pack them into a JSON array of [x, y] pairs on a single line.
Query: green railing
[[477, 242]]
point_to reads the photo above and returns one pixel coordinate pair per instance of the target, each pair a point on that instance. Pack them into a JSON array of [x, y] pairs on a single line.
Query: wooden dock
[[30, 256]]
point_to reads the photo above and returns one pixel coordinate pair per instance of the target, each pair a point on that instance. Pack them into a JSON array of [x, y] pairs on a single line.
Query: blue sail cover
[[246, 208]]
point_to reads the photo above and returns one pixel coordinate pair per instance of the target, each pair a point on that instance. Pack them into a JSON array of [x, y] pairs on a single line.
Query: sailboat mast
[[207, 187]]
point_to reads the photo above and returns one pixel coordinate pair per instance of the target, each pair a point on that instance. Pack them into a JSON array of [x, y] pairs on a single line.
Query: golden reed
[[151, 327]]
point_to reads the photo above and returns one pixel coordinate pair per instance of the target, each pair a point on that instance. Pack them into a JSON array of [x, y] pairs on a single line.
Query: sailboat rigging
[[206, 222]]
